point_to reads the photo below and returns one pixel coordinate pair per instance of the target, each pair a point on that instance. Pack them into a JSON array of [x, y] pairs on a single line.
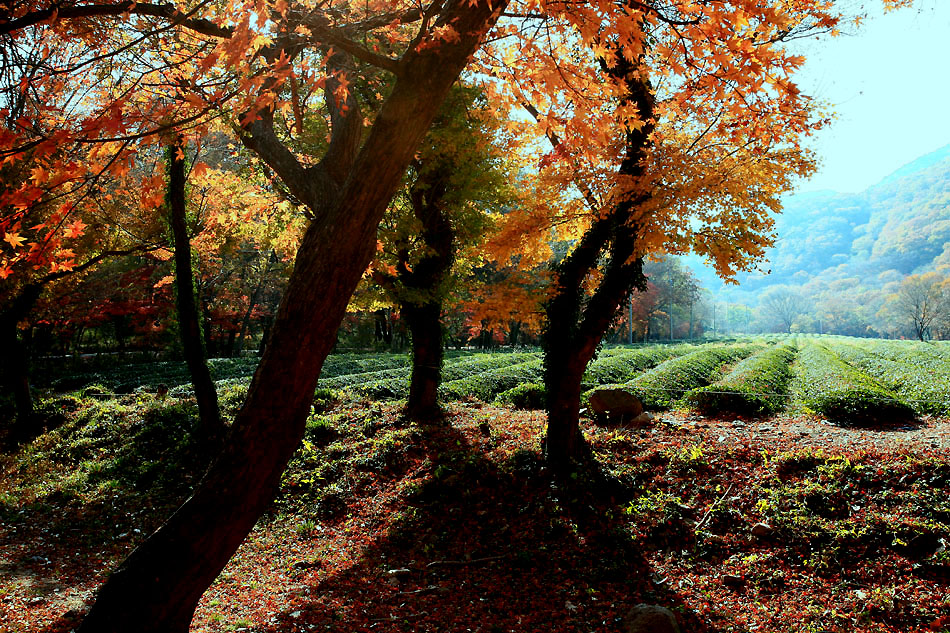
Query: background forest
[[871, 264]]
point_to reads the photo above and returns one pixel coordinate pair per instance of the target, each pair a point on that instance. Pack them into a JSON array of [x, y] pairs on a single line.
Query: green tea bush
[[756, 385], [486, 385], [621, 366], [529, 395], [828, 385], [662, 386], [466, 367], [343, 364], [919, 373], [362, 380]]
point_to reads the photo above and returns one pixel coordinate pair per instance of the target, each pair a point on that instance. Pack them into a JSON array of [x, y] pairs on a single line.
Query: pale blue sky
[[889, 83]]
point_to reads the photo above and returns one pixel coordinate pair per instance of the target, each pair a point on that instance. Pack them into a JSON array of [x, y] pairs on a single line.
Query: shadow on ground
[[487, 546]]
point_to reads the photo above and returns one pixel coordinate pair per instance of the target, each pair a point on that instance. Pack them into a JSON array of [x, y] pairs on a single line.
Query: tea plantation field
[[858, 381]]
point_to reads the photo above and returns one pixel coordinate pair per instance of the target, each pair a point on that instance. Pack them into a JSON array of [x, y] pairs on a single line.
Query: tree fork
[[574, 331]]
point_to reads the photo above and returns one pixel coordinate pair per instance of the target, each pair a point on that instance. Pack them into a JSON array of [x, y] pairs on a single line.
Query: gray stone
[[650, 618], [615, 405]]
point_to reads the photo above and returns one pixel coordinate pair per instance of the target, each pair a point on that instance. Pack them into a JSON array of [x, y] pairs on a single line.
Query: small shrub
[[231, 399], [320, 430], [529, 395], [324, 398]]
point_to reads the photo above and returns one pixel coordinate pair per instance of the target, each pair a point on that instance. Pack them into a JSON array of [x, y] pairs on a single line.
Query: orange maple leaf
[[14, 239], [76, 229]]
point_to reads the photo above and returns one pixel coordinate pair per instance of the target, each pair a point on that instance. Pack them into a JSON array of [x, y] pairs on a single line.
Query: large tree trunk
[[158, 587], [564, 369], [572, 334], [425, 325], [17, 378], [188, 321], [426, 279]]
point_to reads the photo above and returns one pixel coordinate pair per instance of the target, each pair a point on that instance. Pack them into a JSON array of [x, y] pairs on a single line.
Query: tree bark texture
[[576, 324], [158, 587], [189, 323]]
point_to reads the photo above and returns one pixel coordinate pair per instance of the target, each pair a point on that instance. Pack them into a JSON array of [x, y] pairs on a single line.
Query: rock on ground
[[616, 406], [650, 618]]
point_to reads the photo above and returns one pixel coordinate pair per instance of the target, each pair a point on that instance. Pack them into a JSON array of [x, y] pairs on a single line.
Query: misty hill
[[897, 227]]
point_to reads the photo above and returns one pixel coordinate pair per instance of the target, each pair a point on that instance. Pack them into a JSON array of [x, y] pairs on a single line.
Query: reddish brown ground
[[389, 527]]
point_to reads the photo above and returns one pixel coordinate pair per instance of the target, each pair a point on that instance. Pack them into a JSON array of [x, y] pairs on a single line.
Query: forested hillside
[[900, 226]]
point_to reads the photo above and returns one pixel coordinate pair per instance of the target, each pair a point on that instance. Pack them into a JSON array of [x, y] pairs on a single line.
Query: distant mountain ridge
[[899, 226]]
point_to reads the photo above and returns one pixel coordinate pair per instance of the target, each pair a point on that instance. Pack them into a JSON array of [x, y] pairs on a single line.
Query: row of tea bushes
[[486, 385], [350, 363], [756, 385], [472, 365], [394, 383], [828, 385], [367, 383], [918, 374], [147, 376], [520, 384], [665, 384], [620, 365]]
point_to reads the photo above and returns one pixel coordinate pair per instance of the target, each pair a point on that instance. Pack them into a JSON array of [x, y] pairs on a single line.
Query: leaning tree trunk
[[158, 587], [188, 320], [573, 334], [574, 330]]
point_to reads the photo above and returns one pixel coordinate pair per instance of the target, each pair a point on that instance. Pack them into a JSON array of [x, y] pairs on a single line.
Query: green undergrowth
[[756, 536], [107, 453]]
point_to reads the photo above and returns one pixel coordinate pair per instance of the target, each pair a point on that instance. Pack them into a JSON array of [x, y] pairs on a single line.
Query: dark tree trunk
[[158, 587], [266, 323], [17, 372], [209, 344], [384, 330], [229, 346], [425, 326], [573, 334], [188, 321], [419, 291], [575, 326], [246, 321], [564, 369], [16, 362], [425, 280]]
